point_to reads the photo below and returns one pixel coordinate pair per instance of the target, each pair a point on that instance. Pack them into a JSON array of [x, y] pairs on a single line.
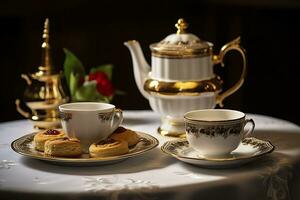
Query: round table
[[155, 175]]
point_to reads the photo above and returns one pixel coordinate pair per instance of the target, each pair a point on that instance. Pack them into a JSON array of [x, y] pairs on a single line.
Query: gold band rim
[[184, 53], [183, 88]]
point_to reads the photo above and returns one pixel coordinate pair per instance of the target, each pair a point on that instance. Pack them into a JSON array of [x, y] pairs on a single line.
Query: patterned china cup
[[89, 122], [216, 132]]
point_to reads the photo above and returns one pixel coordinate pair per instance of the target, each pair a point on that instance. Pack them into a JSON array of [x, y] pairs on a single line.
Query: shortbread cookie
[[108, 147], [41, 137], [63, 147], [128, 135]]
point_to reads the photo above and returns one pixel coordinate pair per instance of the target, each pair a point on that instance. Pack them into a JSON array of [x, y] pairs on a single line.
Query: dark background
[[95, 32]]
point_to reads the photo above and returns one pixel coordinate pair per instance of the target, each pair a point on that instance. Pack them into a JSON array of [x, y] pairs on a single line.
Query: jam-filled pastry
[[41, 137], [108, 147], [63, 147], [128, 135]]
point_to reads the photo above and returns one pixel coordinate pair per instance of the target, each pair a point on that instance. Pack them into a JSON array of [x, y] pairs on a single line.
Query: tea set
[[182, 88], [181, 77]]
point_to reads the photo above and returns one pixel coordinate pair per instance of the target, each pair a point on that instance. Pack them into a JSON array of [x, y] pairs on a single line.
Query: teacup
[[89, 122], [216, 132]]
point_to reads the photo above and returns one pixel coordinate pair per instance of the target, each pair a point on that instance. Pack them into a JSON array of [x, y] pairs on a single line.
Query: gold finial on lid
[[181, 25], [46, 65]]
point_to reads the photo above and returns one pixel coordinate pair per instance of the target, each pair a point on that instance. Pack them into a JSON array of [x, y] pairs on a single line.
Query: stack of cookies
[[56, 143], [117, 144]]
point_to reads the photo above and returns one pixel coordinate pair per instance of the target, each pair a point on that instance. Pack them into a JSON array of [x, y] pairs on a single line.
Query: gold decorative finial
[[181, 25], [46, 57], [46, 31]]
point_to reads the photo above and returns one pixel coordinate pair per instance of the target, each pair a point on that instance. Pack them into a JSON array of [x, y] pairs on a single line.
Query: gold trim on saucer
[[176, 148], [25, 146], [183, 88]]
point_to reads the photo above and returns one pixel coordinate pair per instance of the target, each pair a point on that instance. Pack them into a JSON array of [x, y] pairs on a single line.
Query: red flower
[[81, 80], [98, 76], [104, 86]]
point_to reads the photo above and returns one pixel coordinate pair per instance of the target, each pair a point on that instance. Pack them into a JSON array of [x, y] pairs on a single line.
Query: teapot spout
[[141, 68]]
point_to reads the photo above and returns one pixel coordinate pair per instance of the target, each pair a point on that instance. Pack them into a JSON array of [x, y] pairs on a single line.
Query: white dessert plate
[[249, 150], [25, 146]]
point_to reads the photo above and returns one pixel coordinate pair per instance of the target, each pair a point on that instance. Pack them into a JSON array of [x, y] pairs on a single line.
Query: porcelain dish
[[25, 146], [89, 122], [215, 132], [250, 149]]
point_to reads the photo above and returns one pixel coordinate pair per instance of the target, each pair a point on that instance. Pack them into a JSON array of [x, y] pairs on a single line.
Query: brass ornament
[[44, 91]]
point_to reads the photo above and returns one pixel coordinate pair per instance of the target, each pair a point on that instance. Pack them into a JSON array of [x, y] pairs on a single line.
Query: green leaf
[[74, 80], [107, 69], [72, 65], [87, 92], [105, 99]]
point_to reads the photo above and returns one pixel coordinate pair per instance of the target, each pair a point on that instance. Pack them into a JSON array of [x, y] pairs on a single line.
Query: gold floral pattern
[[104, 117], [213, 130], [65, 116], [180, 148], [256, 143]]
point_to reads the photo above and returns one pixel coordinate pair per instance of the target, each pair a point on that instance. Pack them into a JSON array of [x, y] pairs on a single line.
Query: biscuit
[[63, 147], [128, 135], [41, 137], [108, 147]]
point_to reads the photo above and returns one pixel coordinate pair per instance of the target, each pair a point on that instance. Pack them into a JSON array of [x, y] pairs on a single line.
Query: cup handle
[[251, 130], [117, 118]]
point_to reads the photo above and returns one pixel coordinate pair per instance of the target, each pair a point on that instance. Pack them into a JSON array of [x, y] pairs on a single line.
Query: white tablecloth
[[155, 175]]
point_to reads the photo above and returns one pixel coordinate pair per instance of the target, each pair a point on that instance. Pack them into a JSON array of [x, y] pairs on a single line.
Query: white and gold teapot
[[181, 77]]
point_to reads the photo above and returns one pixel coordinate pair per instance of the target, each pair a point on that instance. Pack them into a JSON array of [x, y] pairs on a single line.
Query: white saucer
[[249, 150]]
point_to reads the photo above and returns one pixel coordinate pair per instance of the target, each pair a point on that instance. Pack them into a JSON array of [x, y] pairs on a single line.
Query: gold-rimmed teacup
[[89, 122], [216, 132]]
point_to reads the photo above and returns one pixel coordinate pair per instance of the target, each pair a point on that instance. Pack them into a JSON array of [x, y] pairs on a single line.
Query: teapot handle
[[232, 45]]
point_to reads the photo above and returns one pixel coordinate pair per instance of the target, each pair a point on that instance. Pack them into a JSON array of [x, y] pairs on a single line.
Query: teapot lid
[[181, 44]]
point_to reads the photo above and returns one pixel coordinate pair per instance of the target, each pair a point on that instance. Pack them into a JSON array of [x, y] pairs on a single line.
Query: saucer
[[25, 146], [249, 150]]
